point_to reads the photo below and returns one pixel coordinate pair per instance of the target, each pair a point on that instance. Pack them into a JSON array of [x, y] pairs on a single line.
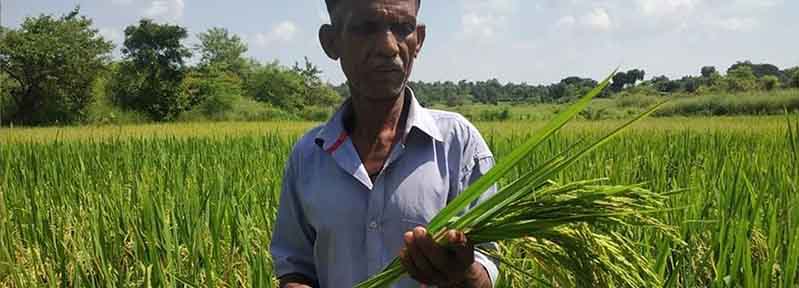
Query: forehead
[[377, 9]]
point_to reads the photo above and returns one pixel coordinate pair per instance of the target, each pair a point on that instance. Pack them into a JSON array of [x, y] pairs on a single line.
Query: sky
[[532, 41]]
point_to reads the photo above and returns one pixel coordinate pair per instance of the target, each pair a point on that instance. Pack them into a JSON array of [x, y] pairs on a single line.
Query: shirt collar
[[333, 134]]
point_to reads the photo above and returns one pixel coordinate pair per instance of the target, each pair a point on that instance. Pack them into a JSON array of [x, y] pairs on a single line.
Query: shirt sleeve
[[478, 159], [293, 237], [482, 163]]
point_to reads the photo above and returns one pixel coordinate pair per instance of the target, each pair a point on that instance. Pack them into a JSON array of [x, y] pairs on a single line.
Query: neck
[[372, 120]]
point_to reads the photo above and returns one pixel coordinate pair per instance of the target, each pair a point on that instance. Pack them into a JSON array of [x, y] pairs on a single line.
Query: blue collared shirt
[[336, 225]]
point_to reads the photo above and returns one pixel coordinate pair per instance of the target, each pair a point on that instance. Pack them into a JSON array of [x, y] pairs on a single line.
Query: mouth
[[387, 69]]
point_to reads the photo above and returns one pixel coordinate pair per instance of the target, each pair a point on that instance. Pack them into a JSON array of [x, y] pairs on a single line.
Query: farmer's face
[[376, 42]]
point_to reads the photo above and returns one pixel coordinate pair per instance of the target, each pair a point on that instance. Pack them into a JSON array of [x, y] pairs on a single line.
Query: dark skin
[[376, 43]]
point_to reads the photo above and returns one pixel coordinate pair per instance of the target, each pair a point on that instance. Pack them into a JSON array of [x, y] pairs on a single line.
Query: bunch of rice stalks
[[565, 229]]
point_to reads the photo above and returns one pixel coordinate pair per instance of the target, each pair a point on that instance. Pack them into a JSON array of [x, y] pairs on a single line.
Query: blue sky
[[533, 41]]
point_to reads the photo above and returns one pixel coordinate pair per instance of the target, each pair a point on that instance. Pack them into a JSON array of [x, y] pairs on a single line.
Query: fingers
[[438, 257], [430, 263], [407, 262], [416, 264], [462, 250]]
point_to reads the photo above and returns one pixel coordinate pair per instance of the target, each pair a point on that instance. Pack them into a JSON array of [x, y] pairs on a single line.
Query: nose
[[387, 44]]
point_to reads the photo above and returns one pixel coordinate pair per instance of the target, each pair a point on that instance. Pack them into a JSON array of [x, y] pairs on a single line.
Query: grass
[[629, 104], [192, 204], [749, 103]]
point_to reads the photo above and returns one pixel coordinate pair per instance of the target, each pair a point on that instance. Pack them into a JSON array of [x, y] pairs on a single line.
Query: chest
[[374, 156], [414, 185]]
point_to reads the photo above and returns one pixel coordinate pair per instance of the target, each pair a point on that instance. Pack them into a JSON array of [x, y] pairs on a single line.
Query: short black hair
[[331, 5]]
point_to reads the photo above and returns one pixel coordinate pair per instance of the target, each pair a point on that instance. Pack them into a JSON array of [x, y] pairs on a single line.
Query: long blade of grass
[[394, 270], [477, 188]]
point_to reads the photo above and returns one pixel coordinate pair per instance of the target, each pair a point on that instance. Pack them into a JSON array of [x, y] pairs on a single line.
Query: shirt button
[[373, 225]]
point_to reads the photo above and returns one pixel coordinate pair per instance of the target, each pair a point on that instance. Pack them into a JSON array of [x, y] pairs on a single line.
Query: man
[[359, 189]]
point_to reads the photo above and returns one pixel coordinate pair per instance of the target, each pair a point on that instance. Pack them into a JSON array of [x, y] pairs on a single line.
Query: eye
[[403, 30], [366, 28]]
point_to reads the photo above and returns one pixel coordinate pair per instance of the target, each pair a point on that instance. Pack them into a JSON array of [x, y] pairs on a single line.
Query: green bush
[[103, 110], [795, 79], [753, 103], [278, 86], [769, 82], [493, 114], [214, 90], [636, 100], [742, 79], [317, 113]]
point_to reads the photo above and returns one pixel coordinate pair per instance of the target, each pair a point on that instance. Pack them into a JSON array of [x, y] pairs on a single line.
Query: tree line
[[51, 67], [54, 68], [743, 76]]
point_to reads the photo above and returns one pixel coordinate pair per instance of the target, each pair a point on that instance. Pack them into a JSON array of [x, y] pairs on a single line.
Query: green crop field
[[192, 205]]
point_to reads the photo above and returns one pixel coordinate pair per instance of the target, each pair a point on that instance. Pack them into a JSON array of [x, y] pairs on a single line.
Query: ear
[[421, 33], [328, 37]]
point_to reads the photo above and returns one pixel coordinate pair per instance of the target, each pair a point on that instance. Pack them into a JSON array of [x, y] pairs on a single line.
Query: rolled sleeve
[[292, 239], [489, 264]]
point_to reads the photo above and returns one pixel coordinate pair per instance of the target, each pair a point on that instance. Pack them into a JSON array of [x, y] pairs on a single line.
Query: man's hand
[[452, 265], [296, 281]]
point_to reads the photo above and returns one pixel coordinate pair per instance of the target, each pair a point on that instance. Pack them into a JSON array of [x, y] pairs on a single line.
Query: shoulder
[[457, 130], [451, 122], [305, 147]]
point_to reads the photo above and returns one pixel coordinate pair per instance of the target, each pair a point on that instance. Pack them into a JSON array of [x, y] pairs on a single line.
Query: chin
[[383, 93]]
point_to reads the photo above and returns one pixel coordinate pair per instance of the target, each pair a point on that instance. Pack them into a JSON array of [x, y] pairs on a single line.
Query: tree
[[770, 82], [622, 79], [795, 80], [793, 77], [150, 78], [760, 70], [222, 49], [635, 75], [708, 71], [315, 92], [214, 90], [663, 84], [278, 86], [488, 92], [741, 79], [53, 62]]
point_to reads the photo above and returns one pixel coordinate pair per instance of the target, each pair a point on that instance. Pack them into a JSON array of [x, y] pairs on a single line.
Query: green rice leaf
[[477, 188], [525, 208]]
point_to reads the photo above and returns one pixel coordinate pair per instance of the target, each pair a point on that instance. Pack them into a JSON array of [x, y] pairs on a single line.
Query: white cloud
[[121, 2], [662, 8], [165, 9], [736, 24], [566, 21], [282, 32], [598, 19], [757, 4], [485, 18]]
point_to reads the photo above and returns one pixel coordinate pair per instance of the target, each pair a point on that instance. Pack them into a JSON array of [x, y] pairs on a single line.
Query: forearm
[[477, 277]]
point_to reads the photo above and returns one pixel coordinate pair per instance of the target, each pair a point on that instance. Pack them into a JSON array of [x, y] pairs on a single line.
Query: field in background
[[631, 104], [191, 205]]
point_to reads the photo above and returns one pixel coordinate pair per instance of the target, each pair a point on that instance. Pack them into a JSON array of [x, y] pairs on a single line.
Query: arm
[[296, 281], [292, 238], [458, 264]]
